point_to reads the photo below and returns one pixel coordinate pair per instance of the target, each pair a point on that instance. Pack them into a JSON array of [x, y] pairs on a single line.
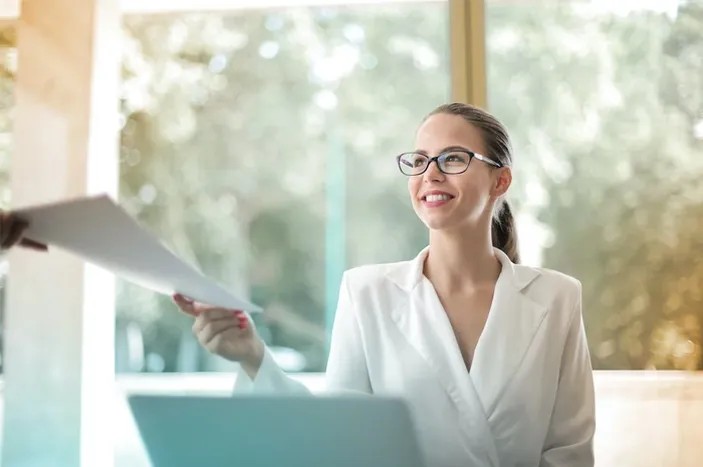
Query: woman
[[491, 356]]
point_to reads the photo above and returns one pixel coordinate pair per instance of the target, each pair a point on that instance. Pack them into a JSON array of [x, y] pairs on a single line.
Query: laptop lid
[[276, 431]]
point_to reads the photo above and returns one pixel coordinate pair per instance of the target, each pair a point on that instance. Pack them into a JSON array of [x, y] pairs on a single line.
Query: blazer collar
[[512, 323], [408, 274]]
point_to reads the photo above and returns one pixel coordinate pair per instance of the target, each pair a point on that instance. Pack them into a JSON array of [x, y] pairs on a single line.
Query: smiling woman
[[256, 141], [437, 325], [472, 130]]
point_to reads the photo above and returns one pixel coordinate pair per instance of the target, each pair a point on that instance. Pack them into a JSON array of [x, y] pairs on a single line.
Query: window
[[260, 145], [603, 100]]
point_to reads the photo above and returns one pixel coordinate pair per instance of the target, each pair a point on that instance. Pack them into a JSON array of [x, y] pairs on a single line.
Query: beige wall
[[649, 419], [58, 319]]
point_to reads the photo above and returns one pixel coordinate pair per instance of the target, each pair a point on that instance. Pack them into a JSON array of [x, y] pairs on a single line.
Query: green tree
[[605, 109], [232, 125]]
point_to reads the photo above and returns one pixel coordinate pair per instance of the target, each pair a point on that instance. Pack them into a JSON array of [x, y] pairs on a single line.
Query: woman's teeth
[[435, 198]]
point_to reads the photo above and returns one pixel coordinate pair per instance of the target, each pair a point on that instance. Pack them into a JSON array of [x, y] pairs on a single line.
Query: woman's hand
[[11, 233], [227, 333]]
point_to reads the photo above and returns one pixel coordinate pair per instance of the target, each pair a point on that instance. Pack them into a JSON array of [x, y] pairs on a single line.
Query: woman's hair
[[497, 142]]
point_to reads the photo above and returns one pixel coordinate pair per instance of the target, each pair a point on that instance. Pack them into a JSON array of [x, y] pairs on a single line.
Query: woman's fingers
[[227, 333], [203, 319], [206, 313], [185, 304], [211, 324], [213, 312], [215, 328]]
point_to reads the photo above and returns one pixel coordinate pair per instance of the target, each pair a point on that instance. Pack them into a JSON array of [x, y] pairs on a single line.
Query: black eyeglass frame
[[472, 155]]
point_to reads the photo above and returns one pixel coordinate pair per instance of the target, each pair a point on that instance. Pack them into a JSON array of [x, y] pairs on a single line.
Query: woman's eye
[[454, 158]]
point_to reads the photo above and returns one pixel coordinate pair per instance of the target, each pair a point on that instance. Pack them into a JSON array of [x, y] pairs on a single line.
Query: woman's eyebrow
[[448, 148]]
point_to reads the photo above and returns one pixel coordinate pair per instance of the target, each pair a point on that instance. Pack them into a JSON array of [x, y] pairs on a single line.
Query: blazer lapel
[[511, 326], [426, 327], [512, 323], [423, 322]]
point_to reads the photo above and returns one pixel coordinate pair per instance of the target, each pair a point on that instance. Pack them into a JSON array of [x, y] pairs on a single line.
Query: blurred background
[[259, 145]]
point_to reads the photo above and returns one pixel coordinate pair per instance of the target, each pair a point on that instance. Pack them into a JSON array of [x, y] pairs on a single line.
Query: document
[[101, 232]]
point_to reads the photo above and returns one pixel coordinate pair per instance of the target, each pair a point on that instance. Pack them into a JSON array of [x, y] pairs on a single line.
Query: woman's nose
[[433, 173]]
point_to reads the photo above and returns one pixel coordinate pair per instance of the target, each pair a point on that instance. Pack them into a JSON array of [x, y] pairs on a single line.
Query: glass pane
[[260, 145], [605, 104]]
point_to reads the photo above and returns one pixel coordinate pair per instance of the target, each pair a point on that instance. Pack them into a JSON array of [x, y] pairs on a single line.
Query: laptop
[[276, 431]]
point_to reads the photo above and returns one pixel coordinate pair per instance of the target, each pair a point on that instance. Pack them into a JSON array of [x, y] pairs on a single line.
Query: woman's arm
[[570, 436], [346, 365], [269, 379]]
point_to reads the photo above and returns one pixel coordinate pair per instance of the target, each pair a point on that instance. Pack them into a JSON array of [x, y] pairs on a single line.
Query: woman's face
[[460, 200]]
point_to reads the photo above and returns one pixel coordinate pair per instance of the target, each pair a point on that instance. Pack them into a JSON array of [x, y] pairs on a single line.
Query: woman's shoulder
[[550, 284], [375, 289], [556, 277], [382, 276], [375, 272]]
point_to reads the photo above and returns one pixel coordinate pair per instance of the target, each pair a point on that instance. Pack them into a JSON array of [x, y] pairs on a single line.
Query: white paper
[[102, 233]]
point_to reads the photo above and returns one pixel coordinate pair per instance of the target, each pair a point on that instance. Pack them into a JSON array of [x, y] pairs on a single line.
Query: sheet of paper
[[102, 233]]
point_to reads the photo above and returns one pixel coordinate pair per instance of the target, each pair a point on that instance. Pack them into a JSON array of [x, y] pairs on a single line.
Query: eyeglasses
[[452, 162]]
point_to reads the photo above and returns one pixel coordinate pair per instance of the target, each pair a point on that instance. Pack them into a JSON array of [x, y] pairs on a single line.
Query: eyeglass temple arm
[[487, 160]]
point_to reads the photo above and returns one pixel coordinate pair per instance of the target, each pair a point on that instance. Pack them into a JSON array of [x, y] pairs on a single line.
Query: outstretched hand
[[224, 332], [12, 233]]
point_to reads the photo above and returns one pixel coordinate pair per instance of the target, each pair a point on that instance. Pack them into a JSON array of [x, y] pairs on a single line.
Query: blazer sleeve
[[346, 365], [570, 435], [270, 379]]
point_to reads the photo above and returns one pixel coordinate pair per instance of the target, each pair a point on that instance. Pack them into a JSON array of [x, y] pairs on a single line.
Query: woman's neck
[[461, 260]]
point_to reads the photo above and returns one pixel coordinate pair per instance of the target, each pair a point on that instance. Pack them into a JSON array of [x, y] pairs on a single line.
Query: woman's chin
[[439, 222], [446, 223]]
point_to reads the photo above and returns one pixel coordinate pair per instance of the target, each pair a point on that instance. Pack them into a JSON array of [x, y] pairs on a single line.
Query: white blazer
[[528, 399]]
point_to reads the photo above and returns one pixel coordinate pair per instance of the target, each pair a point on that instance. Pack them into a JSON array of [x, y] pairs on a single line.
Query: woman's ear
[[503, 179]]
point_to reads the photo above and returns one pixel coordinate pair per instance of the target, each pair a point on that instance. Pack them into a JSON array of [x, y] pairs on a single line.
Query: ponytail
[[504, 233]]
